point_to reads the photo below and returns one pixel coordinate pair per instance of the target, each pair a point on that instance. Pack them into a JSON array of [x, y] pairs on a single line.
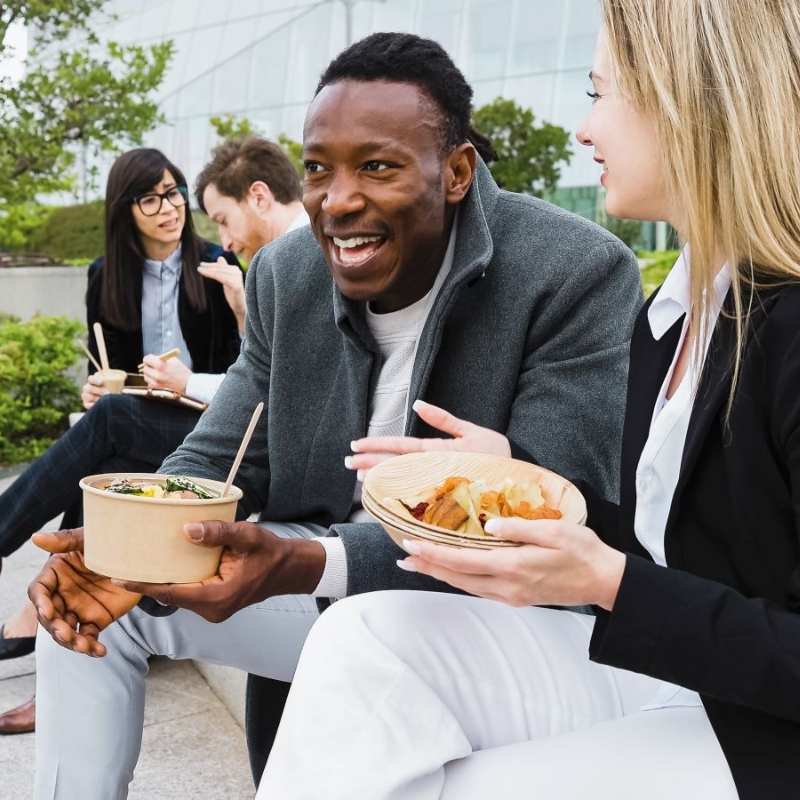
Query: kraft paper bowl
[[141, 538], [413, 474]]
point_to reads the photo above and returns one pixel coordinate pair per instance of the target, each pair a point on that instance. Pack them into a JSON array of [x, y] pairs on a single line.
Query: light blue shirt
[[161, 328]]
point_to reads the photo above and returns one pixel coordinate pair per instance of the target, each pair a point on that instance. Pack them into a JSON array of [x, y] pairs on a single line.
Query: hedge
[[71, 232], [36, 393]]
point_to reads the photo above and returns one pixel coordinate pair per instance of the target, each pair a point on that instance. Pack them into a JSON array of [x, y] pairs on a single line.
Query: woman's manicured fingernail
[[411, 547], [406, 565], [492, 526], [360, 475], [416, 404], [348, 462], [354, 445]]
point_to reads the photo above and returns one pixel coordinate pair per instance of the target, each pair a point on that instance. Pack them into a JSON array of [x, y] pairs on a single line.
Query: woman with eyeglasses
[[148, 296], [147, 293]]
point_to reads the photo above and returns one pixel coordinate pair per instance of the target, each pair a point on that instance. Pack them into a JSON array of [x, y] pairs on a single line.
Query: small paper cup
[[113, 379], [141, 538]]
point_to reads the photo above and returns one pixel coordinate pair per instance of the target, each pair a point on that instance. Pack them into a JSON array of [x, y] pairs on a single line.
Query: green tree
[[295, 152], [229, 126], [77, 98], [529, 155]]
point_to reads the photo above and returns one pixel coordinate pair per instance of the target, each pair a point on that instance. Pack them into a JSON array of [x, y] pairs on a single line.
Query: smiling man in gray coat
[[420, 279]]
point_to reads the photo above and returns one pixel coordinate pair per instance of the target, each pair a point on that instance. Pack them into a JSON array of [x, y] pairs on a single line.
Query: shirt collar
[[674, 298], [172, 263], [298, 222]]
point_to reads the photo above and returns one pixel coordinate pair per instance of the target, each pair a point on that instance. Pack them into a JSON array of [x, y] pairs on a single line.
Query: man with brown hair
[[252, 191]]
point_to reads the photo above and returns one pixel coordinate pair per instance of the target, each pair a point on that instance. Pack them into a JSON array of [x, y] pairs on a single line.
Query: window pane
[[537, 29], [487, 39], [441, 20]]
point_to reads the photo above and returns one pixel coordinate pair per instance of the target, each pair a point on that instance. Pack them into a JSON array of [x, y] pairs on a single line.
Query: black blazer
[[212, 337], [723, 620]]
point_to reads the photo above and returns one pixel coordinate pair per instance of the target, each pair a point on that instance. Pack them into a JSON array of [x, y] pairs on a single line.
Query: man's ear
[[260, 196], [459, 171]]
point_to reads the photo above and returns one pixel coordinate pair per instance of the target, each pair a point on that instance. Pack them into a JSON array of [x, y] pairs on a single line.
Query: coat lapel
[[649, 363], [712, 395], [714, 386]]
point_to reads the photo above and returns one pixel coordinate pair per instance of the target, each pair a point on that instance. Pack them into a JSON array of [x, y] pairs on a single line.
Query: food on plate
[[464, 506], [172, 487]]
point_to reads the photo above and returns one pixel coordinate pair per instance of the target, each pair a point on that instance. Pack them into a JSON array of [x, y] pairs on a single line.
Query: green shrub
[[71, 232], [36, 394], [657, 265]]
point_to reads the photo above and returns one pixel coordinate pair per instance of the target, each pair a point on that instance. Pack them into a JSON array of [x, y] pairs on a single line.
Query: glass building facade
[[261, 59]]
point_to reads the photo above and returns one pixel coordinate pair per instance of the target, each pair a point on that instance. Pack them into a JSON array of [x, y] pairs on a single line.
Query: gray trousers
[[90, 711]]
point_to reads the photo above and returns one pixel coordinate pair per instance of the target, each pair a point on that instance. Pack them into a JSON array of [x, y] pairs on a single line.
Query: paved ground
[[192, 748]]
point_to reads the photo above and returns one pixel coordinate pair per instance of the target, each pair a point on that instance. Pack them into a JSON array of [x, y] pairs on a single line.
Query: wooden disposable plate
[[404, 523], [399, 530], [410, 475]]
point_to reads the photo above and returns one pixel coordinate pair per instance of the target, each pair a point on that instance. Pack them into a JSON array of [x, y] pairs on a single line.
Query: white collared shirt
[[161, 327], [298, 222], [660, 462]]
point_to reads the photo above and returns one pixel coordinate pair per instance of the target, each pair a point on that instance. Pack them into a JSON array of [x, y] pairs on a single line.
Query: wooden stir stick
[[242, 447], [176, 351], [101, 344], [89, 353]]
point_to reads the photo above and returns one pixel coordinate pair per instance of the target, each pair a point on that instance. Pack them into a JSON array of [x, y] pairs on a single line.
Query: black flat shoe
[[16, 647]]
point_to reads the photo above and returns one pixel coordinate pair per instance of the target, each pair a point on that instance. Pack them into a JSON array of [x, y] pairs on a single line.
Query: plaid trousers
[[118, 434]]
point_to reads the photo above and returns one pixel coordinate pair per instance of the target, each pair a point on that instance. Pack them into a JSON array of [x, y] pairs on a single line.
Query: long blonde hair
[[721, 80]]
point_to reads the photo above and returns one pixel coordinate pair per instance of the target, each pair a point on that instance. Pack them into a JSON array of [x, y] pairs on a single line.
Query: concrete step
[[228, 684]]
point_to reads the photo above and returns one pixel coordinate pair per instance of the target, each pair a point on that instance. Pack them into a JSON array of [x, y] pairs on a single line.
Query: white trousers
[[415, 696], [90, 711]]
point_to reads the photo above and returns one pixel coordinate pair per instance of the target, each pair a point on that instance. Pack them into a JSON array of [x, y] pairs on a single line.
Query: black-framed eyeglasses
[[150, 204]]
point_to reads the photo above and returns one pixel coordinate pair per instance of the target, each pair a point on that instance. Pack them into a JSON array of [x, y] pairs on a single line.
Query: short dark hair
[[406, 58], [237, 164]]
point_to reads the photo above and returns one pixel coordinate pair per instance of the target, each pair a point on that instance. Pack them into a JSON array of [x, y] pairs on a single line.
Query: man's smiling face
[[375, 189]]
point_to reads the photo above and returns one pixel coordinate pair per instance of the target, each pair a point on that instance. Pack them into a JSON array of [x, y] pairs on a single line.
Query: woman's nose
[[582, 134]]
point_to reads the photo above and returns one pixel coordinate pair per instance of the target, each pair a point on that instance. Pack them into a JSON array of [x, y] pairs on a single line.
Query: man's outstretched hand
[[74, 603]]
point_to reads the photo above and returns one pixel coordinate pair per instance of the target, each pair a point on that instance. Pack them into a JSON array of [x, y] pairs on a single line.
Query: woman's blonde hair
[[721, 80]]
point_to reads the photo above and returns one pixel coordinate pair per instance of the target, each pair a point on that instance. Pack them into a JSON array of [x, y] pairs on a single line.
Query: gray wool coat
[[528, 336]]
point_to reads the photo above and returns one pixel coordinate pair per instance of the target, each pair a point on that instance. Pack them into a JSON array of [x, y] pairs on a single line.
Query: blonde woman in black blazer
[[687, 681]]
